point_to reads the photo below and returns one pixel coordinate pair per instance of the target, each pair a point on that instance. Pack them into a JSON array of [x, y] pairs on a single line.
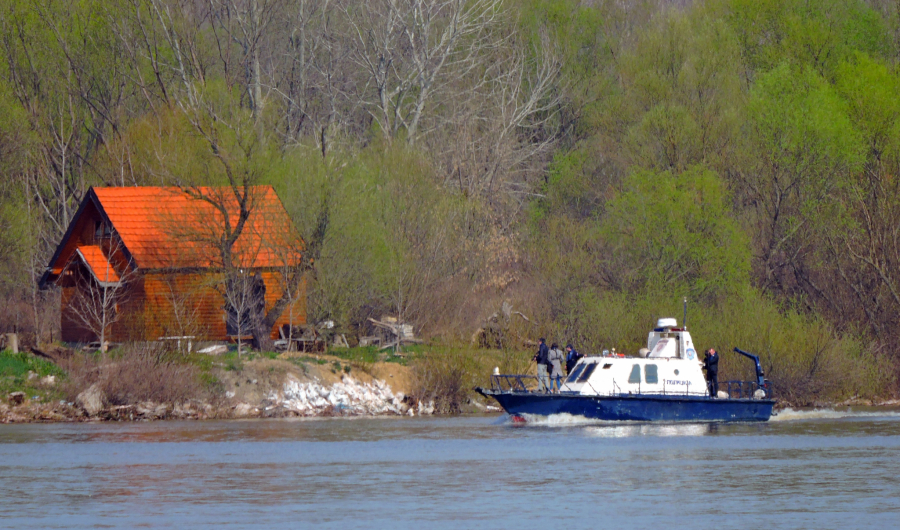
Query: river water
[[802, 470]]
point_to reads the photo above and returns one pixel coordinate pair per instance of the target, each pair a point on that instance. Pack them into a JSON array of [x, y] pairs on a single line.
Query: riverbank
[[254, 387], [137, 384]]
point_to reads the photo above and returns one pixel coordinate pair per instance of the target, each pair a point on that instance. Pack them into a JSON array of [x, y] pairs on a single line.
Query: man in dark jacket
[[711, 365], [541, 358], [572, 357]]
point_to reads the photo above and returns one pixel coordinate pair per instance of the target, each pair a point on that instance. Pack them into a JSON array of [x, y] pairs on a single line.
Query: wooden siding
[[72, 330], [127, 327], [190, 304], [166, 305]]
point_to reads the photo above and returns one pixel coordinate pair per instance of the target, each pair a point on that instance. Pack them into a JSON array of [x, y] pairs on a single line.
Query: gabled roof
[[97, 262], [172, 227]]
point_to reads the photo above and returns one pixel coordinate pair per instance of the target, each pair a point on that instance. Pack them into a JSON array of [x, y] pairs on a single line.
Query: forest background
[[468, 163]]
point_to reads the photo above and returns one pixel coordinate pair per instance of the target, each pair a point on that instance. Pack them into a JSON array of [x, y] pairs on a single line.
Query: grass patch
[[14, 369], [19, 364], [372, 354]]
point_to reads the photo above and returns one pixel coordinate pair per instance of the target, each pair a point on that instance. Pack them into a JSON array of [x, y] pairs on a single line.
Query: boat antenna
[[684, 321]]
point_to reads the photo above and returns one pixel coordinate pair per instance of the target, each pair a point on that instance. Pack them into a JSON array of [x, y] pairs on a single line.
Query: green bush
[[447, 376]]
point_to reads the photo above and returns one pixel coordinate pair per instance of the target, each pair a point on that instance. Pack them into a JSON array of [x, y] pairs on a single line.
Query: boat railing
[[745, 389], [511, 382], [529, 383]]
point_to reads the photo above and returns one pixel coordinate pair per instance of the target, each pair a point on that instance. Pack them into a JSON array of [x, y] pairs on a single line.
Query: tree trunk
[[262, 337]]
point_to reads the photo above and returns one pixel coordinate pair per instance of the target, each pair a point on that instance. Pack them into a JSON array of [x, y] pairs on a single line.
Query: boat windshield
[[588, 370], [575, 373]]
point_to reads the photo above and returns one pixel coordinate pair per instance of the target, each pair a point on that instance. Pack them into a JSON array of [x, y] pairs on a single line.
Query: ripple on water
[[838, 471], [790, 414]]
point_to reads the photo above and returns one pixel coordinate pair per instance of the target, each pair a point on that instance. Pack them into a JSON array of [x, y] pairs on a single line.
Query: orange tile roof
[[163, 227], [96, 261]]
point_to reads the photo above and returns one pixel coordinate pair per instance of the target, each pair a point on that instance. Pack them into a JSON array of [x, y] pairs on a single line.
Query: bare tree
[[244, 295], [245, 23], [406, 49], [101, 289]]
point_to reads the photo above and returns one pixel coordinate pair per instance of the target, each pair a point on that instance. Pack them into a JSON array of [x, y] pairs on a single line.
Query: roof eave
[[90, 195]]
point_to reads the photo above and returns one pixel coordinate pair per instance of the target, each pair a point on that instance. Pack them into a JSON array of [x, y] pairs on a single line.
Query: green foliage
[[817, 34], [802, 354], [807, 148], [802, 124], [574, 35], [670, 232], [576, 186], [392, 232], [684, 96], [870, 87], [446, 376]]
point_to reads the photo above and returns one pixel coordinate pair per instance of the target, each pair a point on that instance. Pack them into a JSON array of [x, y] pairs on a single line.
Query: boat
[[663, 383]]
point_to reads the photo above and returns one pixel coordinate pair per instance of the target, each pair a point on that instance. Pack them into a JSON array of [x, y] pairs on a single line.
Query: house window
[[635, 376], [651, 375], [101, 230]]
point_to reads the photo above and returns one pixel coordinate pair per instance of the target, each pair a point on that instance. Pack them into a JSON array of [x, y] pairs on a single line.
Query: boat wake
[[790, 414], [616, 429], [561, 420]]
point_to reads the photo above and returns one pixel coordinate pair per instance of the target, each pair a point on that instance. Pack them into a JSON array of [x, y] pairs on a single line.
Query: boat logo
[[691, 353]]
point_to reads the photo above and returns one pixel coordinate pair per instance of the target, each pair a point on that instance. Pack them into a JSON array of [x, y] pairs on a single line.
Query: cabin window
[[607, 366], [101, 230], [651, 375], [588, 370], [635, 376], [575, 373]]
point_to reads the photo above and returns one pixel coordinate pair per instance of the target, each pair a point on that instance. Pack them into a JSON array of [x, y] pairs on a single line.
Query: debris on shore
[[347, 397]]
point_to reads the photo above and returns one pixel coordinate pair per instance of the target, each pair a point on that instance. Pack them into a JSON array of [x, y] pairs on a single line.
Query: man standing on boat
[[542, 361], [572, 358], [711, 365]]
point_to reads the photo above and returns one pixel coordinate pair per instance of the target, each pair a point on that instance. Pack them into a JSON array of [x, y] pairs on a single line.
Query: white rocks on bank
[[91, 400], [349, 397]]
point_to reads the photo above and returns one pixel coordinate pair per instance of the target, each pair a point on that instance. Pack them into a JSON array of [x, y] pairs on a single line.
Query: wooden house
[[144, 263]]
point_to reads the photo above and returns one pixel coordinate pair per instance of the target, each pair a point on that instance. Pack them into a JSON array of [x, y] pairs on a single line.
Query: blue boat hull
[[634, 407]]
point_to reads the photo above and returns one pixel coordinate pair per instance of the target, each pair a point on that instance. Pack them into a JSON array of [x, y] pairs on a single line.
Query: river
[[802, 470]]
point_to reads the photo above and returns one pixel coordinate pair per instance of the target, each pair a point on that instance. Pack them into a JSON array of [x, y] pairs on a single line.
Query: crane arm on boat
[[760, 376]]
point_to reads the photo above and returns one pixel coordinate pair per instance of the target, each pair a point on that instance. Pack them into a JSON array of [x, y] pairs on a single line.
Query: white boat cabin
[[669, 365]]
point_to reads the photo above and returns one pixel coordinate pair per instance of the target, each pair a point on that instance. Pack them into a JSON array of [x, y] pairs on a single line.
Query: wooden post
[[12, 342]]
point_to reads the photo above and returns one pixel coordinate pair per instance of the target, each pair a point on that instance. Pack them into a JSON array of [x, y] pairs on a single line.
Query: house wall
[[71, 328], [128, 319], [188, 304], [171, 305]]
